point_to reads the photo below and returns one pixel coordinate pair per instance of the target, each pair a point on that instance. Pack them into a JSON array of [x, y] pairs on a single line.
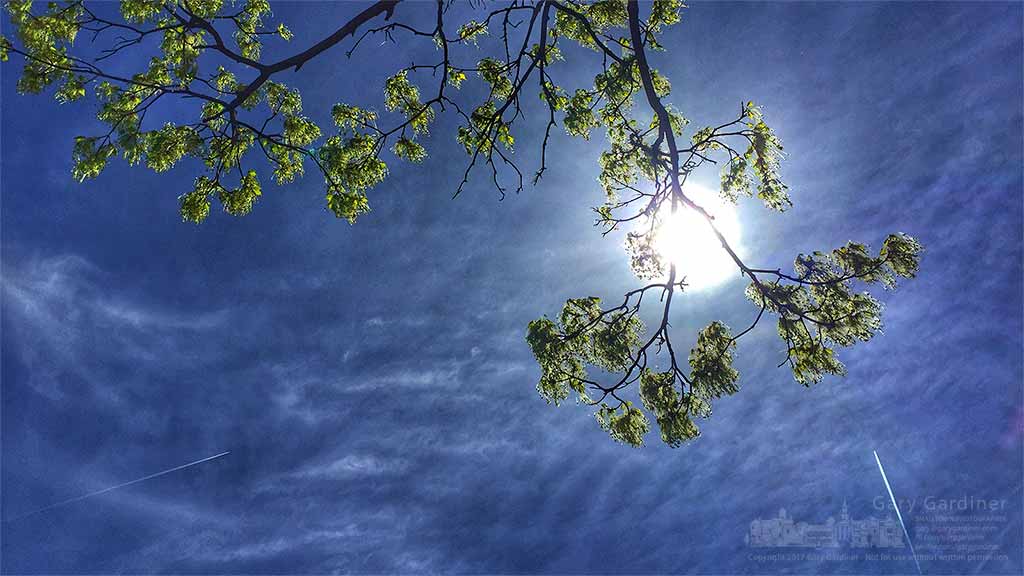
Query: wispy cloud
[[373, 383], [67, 323]]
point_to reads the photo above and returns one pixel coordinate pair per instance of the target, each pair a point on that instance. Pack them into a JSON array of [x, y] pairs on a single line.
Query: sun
[[686, 239]]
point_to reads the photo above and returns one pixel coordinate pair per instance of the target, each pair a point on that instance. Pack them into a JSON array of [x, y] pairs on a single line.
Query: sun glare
[[685, 239]]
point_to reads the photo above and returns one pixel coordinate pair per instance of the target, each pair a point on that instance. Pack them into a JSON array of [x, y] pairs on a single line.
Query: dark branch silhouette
[[243, 110]]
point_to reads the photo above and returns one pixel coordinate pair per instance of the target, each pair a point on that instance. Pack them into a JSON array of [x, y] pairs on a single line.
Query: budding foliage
[[817, 306], [238, 125]]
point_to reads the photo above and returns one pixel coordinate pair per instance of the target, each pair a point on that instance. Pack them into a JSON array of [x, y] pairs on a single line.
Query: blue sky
[[372, 381]]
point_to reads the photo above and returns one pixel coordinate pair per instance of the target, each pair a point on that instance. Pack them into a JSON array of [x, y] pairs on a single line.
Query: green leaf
[[165, 147], [402, 96], [89, 158], [195, 205], [472, 30], [673, 414], [284, 32], [409, 150], [579, 115], [711, 363], [239, 202], [624, 424], [494, 73], [645, 259]]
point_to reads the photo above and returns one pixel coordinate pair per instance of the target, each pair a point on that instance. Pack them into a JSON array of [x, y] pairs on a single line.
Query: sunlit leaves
[[44, 32], [584, 335], [139, 11], [809, 359], [674, 410], [765, 152], [664, 13], [284, 32], [603, 340], [90, 157], [72, 89], [605, 14], [456, 77], [625, 423], [409, 150], [289, 162], [220, 139], [165, 147], [351, 166], [711, 363], [493, 72], [223, 137], [736, 179], [579, 115], [486, 129], [299, 131], [232, 128], [671, 412], [205, 8], [898, 258], [45, 38], [645, 260], [227, 151], [347, 205], [662, 85], [282, 99], [239, 202], [181, 50], [818, 309], [552, 54], [351, 160], [597, 18], [400, 94], [120, 111], [756, 168], [677, 122], [249, 22], [704, 139], [554, 96], [809, 356], [901, 255], [625, 160], [348, 117], [616, 85], [195, 205], [472, 30], [224, 81], [562, 369]]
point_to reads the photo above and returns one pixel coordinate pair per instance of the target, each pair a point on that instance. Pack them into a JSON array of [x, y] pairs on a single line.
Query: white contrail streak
[[898, 515], [105, 490]]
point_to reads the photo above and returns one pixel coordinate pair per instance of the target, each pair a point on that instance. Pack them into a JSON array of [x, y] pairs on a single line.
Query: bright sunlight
[[685, 239]]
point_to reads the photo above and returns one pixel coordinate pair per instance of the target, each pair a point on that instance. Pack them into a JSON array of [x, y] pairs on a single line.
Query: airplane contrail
[[898, 515], [105, 490]]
